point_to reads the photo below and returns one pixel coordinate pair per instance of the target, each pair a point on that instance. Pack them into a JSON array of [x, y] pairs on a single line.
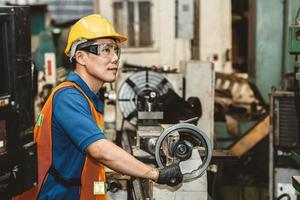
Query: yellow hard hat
[[89, 28]]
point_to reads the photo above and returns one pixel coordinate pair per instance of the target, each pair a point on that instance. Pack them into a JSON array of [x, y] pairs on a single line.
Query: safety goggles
[[105, 50]]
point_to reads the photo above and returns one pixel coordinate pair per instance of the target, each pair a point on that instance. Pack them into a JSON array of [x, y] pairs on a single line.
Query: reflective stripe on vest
[[92, 175]]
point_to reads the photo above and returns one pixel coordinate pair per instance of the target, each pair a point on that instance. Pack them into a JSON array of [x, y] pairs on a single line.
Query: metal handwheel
[[187, 145]]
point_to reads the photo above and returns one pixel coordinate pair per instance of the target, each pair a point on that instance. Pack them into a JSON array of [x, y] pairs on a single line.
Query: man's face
[[103, 65]]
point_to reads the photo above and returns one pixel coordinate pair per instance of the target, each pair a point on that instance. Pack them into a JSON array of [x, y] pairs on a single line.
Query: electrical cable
[[283, 196], [297, 22]]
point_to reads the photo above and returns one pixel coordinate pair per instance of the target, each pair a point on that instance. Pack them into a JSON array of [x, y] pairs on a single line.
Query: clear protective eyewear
[[103, 49]]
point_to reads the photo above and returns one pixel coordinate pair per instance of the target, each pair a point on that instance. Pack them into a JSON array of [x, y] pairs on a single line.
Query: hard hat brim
[[120, 38]]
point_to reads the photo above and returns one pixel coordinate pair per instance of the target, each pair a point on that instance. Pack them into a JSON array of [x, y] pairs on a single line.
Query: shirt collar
[[74, 77]]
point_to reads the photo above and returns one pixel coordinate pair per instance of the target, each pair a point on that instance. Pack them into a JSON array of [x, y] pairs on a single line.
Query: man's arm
[[119, 160]]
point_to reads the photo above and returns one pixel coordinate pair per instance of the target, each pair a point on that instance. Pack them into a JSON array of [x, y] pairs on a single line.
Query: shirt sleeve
[[73, 114]]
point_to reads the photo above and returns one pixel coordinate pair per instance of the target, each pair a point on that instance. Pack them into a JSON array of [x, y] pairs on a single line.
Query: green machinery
[[269, 55], [284, 139], [294, 38], [294, 43]]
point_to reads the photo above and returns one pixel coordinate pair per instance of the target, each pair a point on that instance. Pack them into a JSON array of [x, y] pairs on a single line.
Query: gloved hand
[[170, 175]]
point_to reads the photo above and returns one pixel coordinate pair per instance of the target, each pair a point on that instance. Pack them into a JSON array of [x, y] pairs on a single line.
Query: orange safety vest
[[92, 176]]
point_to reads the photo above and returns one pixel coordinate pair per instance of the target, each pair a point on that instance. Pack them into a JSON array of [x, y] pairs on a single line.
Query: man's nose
[[115, 57]]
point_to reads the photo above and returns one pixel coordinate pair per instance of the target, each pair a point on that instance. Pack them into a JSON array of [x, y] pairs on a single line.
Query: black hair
[[73, 63]]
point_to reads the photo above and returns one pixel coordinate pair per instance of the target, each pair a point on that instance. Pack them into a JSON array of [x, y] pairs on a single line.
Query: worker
[[72, 147]]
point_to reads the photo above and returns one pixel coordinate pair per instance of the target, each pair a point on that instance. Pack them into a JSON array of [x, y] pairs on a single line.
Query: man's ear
[[80, 57]]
